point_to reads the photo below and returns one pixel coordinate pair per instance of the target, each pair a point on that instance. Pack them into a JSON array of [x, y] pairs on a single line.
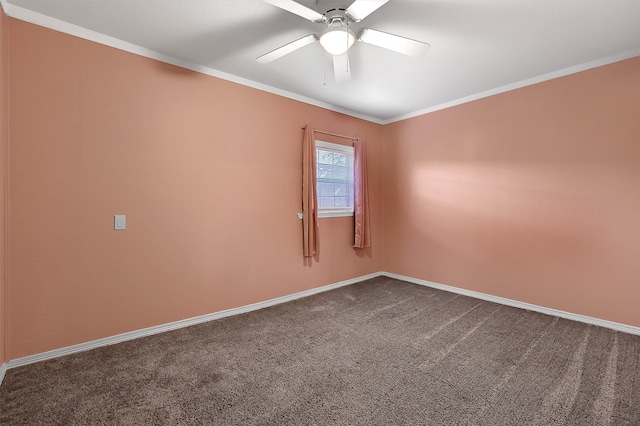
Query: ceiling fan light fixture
[[337, 41]]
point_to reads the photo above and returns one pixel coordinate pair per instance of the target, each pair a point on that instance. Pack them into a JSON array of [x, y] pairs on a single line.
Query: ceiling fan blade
[[360, 9], [393, 42], [287, 48], [341, 68], [298, 9]]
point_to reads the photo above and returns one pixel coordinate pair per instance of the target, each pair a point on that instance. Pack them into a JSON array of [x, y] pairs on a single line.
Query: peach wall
[[208, 173], [3, 174], [532, 195]]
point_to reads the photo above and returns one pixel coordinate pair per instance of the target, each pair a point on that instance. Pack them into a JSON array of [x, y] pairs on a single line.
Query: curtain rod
[[335, 134]]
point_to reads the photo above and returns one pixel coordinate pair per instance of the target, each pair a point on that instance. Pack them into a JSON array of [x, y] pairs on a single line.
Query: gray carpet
[[381, 352]]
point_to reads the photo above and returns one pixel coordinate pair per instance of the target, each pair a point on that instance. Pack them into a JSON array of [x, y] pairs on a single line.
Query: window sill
[[322, 215]]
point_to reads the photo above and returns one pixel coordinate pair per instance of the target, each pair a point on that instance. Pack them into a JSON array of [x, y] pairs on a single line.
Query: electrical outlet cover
[[120, 222]]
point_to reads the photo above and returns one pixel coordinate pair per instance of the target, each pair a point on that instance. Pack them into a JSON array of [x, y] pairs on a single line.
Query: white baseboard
[[18, 362], [3, 371], [255, 306], [517, 304]]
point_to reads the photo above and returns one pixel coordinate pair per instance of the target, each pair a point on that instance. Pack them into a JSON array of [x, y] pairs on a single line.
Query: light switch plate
[[120, 222]]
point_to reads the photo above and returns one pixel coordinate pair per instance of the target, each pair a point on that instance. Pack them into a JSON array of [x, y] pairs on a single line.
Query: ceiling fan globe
[[337, 41]]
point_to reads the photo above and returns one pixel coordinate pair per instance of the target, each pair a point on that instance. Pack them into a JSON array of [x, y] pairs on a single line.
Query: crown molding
[[520, 84], [26, 15], [55, 24]]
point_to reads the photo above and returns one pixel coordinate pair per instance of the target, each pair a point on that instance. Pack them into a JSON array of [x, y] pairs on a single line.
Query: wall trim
[[56, 353], [3, 371], [4, 201], [517, 304], [521, 84], [45, 21], [119, 338], [55, 24]]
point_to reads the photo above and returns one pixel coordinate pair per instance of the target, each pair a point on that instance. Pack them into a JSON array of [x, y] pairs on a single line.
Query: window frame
[[349, 150]]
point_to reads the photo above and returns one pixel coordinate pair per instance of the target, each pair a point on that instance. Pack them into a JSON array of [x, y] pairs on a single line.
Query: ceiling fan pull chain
[[324, 76], [346, 40]]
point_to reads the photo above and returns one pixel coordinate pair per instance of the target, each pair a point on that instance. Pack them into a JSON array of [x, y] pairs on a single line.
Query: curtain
[[310, 225], [361, 196]]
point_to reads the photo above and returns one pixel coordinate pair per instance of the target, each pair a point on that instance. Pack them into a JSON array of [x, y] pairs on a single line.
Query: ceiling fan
[[337, 38]]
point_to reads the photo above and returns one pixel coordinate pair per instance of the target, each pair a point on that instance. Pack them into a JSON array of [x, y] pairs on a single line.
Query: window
[[334, 179]]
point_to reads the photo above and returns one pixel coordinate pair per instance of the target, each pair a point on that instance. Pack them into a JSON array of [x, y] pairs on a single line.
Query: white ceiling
[[478, 47]]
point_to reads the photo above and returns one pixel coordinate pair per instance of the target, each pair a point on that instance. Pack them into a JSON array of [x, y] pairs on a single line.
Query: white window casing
[[334, 176]]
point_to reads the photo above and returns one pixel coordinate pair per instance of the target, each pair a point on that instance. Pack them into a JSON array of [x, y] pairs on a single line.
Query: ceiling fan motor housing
[[334, 11]]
